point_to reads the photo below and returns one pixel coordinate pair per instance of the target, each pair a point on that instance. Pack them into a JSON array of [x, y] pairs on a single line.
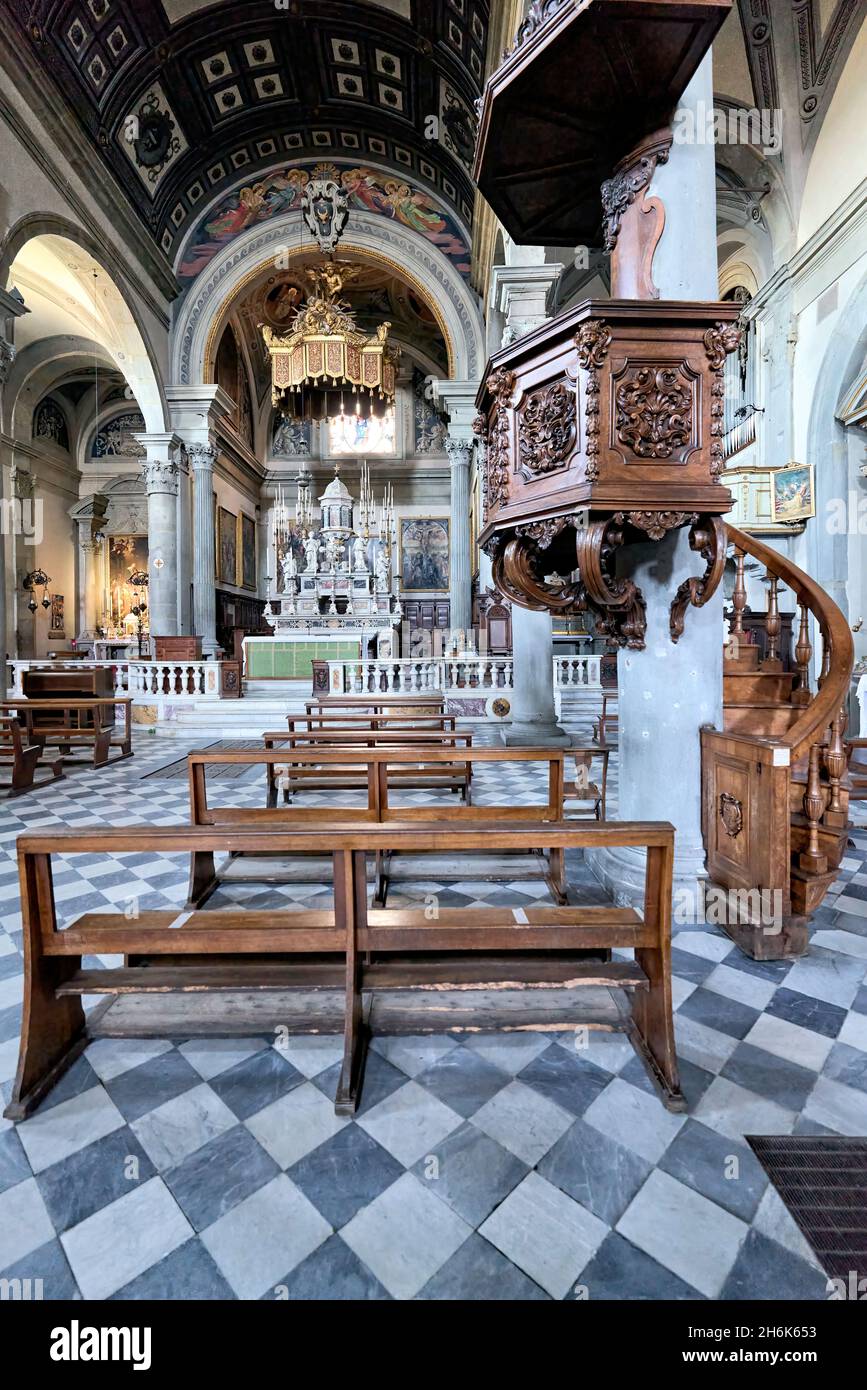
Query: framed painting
[[227, 546], [792, 493], [424, 554], [246, 552]]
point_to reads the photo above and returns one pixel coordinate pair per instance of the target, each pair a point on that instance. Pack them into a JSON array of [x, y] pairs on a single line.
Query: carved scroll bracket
[[634, 223], [618, 602], [706, 536]]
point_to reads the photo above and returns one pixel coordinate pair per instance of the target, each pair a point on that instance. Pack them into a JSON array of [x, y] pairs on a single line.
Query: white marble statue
[[311, 555], [383, 573], [290, 569], [359, 556]]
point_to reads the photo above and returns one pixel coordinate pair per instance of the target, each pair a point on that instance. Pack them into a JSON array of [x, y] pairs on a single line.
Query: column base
[[536, 734], [621, 871]]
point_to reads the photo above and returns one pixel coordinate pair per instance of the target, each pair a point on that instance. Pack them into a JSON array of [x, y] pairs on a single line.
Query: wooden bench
[[583, 788], [376, 703], [23, 758], [377, 767], [69, 723], [456, 776], [607, 724], [393, 720], [515, 956]]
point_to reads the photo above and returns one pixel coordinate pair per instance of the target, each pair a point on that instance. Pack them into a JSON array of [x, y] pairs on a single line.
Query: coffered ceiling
[[182, 98]]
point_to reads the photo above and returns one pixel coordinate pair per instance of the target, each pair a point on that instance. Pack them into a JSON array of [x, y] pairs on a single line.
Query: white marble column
[[667, 691], [92, 588], [460, 583], [519, 292], [203, 457], [161, 474], [12, 306]]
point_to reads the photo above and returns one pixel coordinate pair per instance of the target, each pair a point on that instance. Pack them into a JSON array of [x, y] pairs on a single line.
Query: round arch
[[124, 334], [830, 555], [208, 303]]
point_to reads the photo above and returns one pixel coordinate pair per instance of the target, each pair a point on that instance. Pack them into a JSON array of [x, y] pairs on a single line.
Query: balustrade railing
[[578, 672], [408, 676], [145, 681]]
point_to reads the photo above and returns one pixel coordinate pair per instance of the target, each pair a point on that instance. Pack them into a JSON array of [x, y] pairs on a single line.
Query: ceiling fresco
[[184, 100]]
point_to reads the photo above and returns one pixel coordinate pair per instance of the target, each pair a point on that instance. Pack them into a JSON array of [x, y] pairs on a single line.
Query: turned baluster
[[826, 661], [739, 597], [772, 625], [803, 657], [835, 760], [814, 806]]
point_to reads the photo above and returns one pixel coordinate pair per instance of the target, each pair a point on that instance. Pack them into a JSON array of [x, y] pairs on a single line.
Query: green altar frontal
[[272, 659]]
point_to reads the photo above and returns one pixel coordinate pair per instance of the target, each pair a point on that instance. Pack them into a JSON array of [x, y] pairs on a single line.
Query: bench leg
[[22, 773], [203, 878], [350, 906], [652, 1027], [556, 877], [382, 862], [101, 749], [53, 1031]]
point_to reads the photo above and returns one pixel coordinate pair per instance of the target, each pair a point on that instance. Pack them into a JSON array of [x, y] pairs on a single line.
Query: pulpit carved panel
[[546, 430], [654, 409]]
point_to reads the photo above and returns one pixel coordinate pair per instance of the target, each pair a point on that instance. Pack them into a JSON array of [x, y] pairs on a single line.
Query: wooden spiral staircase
[[775, 794]]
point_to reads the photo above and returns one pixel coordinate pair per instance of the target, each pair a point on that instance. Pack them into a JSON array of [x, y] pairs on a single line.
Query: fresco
[[368, 189]]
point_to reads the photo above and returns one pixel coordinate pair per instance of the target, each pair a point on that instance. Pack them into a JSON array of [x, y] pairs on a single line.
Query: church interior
[[432, 439]]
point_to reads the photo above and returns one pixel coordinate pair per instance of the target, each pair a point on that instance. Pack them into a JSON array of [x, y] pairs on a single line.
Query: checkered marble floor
[[506, 1166]]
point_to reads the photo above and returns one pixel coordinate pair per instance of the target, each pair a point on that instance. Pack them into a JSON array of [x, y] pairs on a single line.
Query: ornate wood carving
[[656, 524], [618, 603], [501, 385], [592, 340], [720, 340], [546, 430], [731, 813], [654, 411], [632, 222], [707, 536]]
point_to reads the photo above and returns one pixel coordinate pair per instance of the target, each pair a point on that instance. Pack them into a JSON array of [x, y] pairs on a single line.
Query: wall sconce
[[31, 581]]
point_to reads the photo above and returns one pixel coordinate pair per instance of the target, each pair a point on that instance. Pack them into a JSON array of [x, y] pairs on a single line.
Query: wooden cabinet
[[177, 648]]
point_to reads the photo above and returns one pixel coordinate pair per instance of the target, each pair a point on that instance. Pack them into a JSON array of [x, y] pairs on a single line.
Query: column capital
[[459, 451], [202, 456]]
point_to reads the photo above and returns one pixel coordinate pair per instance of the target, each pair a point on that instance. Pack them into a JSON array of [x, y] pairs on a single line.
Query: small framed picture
[[246, 546], [227, 546], [792, 493], [424, 554]]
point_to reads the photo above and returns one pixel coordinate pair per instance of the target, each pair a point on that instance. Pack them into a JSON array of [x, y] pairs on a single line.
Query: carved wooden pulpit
[[603, 426]]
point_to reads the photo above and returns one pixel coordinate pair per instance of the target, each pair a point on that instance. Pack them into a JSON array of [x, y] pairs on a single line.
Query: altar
[[290, 656]]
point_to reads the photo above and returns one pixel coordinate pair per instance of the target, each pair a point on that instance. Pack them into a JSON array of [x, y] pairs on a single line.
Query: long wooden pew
[[456, 776], [22, 759], [377, 702], [447, 723], [68, 723], [377, 768], [444, 958]]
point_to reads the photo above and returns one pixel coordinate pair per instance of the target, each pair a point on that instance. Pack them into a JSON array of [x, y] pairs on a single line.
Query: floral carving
[[501, 385], [592, 341], [621, 191], [546, 430], [537, 14], [720, 340], [655, 524], [654, 411]]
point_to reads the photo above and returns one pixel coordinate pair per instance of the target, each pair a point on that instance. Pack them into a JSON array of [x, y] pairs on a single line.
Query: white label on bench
[[520, 916], [179, 921]]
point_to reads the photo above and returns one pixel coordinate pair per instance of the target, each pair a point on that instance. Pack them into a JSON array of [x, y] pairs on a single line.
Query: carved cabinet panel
[[745, 814]]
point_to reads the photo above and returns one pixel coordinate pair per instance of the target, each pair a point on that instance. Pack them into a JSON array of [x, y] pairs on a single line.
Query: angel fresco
[[281, 193]]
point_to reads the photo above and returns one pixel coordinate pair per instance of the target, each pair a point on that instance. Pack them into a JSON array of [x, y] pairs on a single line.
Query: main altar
[[334, 595]]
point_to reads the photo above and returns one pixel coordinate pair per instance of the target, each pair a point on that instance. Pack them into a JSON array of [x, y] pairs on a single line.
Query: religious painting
[[126, 555], [792, 495], [424, 553], [56, 631], [246, 552], [227, 546]]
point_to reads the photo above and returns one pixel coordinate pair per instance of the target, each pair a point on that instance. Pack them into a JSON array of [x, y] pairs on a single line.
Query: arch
[[124, 334], [373, 238], [829, 555]]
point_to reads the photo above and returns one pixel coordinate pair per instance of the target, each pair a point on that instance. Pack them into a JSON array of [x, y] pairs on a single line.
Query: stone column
[[92, 586], [457, 399], [12, 306], [161, 475], [519, 291], [202, 460], [669, 690], [460, 581]]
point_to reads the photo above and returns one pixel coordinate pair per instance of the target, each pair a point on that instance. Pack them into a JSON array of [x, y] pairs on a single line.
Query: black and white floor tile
[[506, 1166]]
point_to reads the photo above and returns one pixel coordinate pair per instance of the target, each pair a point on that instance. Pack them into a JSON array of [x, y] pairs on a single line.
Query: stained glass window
[[350, 434]]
